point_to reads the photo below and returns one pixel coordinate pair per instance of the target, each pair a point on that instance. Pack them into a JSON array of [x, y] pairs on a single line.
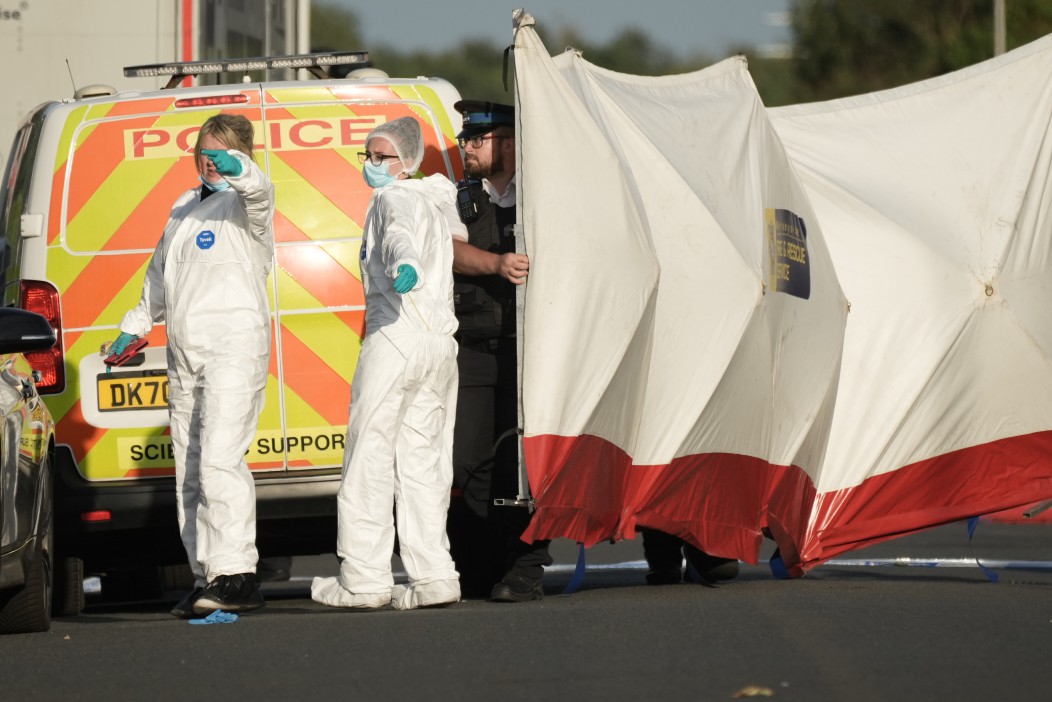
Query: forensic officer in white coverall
[[398, 455], [207, 282]]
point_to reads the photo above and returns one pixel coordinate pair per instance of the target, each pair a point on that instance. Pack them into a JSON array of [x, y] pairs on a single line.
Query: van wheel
[[132, 584], [68, 597]]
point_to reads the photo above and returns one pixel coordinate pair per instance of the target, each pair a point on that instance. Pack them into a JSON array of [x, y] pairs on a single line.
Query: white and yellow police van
[[86, 193]]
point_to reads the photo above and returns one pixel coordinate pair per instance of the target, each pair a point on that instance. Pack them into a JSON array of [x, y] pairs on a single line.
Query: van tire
[[132, 584], [68, 596]]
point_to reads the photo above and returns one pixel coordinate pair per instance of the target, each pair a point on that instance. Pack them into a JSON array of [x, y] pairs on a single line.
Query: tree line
[[839, 48]]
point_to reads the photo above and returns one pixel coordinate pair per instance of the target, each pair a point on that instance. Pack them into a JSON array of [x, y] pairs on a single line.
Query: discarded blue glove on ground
[[217, 617], [406, 279], [226, 165]]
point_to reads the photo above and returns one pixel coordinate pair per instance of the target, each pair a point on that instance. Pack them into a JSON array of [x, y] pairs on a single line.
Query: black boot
[[230, 593]]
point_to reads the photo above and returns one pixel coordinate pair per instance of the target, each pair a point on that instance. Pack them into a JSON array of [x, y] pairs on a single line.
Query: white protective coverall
[[207, 282], [399, 451]]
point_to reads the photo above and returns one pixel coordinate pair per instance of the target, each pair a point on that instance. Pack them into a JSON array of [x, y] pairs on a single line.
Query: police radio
[[467, 208]]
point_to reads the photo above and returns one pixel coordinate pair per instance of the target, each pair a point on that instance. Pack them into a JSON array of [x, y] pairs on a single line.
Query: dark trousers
[[484, 538], [662, 551]]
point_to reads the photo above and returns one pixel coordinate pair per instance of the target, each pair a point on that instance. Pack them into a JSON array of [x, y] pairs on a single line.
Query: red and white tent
[[936, 201], [685, 323]]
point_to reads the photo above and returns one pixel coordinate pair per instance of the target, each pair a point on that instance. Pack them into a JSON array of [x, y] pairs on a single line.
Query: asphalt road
[[935, 630]]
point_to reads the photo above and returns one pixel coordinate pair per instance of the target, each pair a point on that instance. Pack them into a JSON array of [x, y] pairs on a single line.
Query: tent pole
[[523, 498], [1037, 509], [999, 27]]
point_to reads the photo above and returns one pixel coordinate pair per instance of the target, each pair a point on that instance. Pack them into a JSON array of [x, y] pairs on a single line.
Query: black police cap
[[481, 117]]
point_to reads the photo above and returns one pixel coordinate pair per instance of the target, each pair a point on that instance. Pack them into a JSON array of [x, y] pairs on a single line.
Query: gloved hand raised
[[121, 343], [406, 279], [226, 165]]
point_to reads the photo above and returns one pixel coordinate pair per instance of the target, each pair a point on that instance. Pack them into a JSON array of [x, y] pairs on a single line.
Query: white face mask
[[215, 187]]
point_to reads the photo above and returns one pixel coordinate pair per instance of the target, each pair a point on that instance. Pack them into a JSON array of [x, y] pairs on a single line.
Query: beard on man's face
[[474, 167]]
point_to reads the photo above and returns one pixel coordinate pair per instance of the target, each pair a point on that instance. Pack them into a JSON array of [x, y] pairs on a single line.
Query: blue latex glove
[[406, 279], [226, 165], [216, 617], [122, 342]]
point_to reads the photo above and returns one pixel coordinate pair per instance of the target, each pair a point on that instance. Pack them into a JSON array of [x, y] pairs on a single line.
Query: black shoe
[[707, 570], [665, 576], [185, 608], [230, 593], [516, 587], [476, 587], [728, 570]]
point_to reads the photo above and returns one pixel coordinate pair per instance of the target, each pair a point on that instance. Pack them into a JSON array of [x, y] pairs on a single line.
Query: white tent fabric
[[689, 362], [935, 200], [683, 322]]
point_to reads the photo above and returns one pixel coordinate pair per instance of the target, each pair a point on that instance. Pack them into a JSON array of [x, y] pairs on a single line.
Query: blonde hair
[[234, 131]]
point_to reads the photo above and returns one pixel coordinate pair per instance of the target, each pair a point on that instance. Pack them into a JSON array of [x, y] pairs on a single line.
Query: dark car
[[27, 442]]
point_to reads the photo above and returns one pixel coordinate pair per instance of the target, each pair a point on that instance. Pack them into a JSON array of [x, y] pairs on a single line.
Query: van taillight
[[42, 298]]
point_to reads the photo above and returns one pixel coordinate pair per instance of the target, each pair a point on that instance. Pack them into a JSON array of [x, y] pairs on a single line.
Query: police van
[[87, 190]]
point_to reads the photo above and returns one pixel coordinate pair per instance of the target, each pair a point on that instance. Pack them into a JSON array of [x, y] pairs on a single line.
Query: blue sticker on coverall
[[205, 239]]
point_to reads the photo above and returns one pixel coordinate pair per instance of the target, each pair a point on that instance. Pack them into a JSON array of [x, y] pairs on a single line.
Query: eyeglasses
[[375, 159], [476, 141]]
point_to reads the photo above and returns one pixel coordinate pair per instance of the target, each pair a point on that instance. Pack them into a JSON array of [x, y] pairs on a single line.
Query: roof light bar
[[193, 68]]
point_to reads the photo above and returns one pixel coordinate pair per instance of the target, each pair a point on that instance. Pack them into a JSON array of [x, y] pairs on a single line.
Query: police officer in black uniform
[[484, 538]]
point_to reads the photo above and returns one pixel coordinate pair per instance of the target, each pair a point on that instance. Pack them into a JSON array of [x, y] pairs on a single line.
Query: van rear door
[[313, 135], [121, 164]]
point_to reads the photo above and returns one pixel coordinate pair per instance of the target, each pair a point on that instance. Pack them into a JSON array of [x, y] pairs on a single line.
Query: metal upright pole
[[523, 498], [999, 27], [520, 309], [303, 34]]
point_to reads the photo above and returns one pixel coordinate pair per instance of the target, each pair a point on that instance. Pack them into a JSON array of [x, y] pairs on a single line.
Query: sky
[[710, 27]]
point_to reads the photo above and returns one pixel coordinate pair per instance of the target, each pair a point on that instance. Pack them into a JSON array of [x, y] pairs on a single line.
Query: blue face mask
[[215, 187], [378, 176]]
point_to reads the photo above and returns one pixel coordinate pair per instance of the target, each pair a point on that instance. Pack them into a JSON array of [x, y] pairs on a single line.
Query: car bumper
[[135, 520]]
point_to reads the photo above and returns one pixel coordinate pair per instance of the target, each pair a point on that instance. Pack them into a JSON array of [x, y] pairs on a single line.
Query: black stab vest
[[485, 304]]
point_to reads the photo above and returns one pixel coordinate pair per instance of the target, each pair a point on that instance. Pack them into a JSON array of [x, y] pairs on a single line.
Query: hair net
[[406, 138]]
